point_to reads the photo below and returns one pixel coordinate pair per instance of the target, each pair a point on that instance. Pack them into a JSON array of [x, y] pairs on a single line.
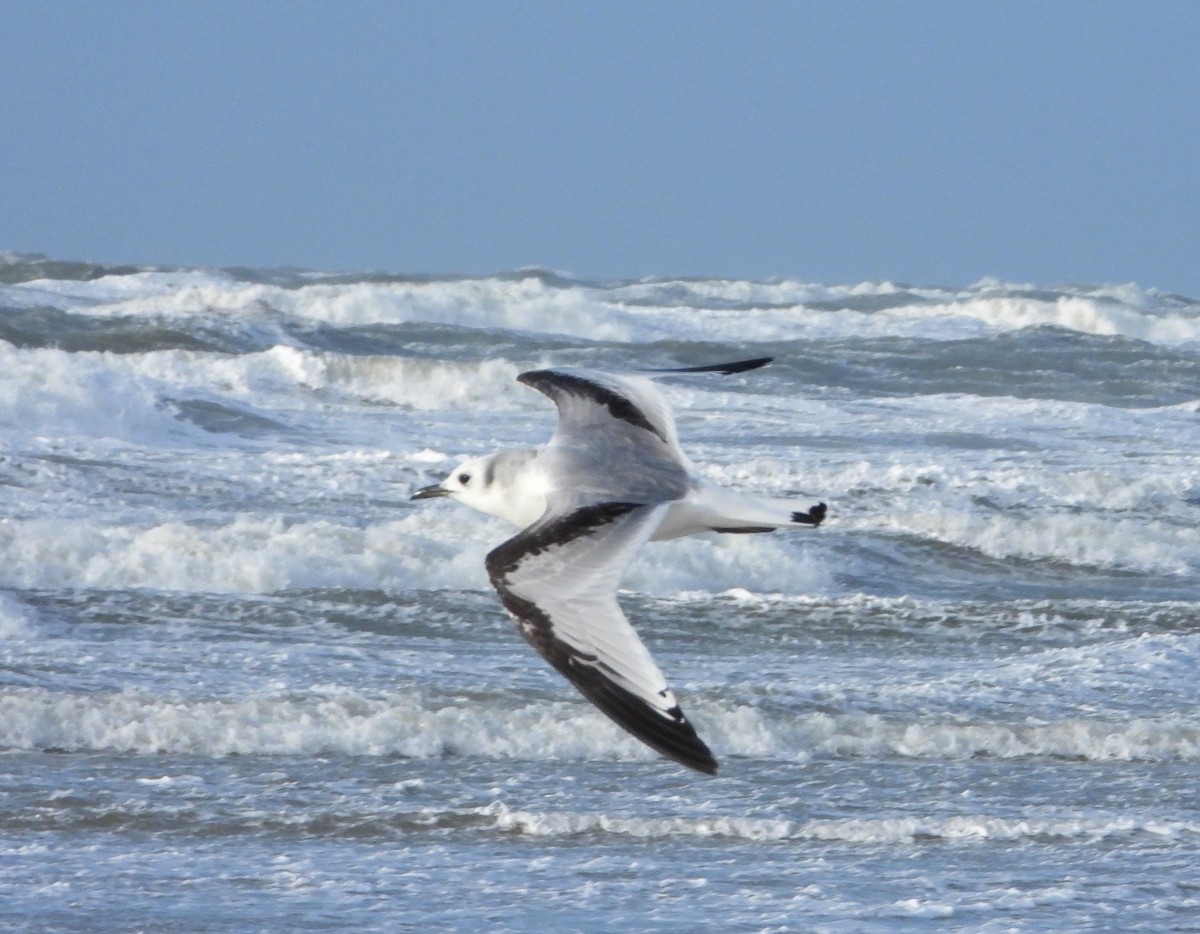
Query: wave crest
[[344, 722]]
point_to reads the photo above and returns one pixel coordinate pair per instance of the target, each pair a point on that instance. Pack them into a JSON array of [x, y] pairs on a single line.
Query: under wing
[[558, 579]]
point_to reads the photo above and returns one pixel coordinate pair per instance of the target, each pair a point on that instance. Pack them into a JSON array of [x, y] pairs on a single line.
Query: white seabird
[[612, 478]]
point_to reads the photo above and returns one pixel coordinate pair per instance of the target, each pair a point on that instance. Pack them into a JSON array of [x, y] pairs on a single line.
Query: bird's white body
[[521, 500]]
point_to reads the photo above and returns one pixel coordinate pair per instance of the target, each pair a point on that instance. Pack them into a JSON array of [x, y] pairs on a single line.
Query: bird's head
[[489, 484], [464, 483]]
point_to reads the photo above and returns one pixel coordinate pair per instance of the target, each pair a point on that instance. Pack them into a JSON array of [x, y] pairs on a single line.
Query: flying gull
[[611, 478]]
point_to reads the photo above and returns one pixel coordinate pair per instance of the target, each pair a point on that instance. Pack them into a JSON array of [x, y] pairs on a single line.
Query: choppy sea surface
[[247, 685]]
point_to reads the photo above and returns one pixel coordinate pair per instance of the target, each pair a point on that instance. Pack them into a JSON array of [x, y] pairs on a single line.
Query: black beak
[[430, 492]]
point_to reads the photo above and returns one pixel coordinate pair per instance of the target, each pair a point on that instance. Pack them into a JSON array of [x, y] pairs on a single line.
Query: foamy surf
[[229, 641], [877, 832], [347, 723], [713, 310]]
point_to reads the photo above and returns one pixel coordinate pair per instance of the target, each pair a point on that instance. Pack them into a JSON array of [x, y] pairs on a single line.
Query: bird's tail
[[716, 509]]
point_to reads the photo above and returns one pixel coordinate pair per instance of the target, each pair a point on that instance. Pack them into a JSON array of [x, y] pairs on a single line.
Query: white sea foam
[[15, 622], [284, 464], [1100, 541], [1092, 515], [246, 555], [1093, 740], [1082, 313], [135, 396], [125, 395], [873, 831], [1097, 511], [422, 550], [434, 548], [51, 391], [292, 375], [656, 310], [345, 722], [522, 304]]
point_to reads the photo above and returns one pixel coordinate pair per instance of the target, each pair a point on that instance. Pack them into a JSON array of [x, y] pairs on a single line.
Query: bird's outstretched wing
[[587, 399], [558, 579], [616, 438]]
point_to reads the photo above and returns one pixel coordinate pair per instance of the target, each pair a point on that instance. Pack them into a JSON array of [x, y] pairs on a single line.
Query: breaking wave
[[344, 722], [710, 310]]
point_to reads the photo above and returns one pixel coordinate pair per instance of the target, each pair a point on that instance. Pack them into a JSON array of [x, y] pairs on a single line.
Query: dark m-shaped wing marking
[[558, 384], [558, 579], [586, 398]]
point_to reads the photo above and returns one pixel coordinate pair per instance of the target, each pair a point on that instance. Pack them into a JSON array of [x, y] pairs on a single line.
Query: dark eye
[[464, 478]]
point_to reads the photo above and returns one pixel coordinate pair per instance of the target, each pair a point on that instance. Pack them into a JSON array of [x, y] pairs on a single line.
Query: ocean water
[[247, 685]]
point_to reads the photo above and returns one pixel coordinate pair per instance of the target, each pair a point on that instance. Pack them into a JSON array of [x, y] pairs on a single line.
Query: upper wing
[[558, 579], [588, 400], [615, 440]]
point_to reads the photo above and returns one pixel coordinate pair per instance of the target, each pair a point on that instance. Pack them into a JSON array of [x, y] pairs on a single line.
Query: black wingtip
[[672, 736], [707, 766], [726, 369], [814, 517]]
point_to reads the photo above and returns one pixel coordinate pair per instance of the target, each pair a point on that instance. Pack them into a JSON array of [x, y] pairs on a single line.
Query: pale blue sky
[[933, 143]]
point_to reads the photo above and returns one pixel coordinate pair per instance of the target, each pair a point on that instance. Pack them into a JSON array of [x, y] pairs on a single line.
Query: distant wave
[[670, 309]]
